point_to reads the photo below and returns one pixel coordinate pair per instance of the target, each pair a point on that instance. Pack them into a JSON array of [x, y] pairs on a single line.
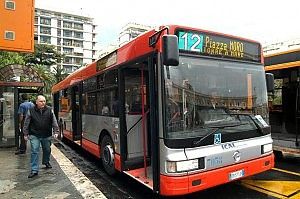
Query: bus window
[[89, 103]]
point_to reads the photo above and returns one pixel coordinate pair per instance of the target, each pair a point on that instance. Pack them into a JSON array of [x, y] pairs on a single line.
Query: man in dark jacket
[[38, 125]]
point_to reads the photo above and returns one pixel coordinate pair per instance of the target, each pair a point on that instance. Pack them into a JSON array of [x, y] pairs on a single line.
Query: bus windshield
[[204, 94]]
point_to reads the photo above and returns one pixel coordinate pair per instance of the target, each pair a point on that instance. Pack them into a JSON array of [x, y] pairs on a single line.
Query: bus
[[284, 102], [178, 109]]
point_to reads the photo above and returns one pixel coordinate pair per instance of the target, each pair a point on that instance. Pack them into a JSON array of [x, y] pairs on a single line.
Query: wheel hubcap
[[108, 156]]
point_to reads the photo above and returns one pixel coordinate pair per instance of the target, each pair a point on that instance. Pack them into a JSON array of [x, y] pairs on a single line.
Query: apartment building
[[281, 46], [131, 31], [72, 35]]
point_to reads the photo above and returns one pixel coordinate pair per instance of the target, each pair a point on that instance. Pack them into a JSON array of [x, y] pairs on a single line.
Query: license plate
[[236, 174]]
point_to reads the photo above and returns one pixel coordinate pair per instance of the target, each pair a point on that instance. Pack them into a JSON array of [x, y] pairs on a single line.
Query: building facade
[[72, 35], [131, 31], [281, 46], [127, 33], [16, 29]]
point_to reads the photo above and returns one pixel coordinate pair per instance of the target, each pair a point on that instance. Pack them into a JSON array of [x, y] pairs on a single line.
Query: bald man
[[39, 125]]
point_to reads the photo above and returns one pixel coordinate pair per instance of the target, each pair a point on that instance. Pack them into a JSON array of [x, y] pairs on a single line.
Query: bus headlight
[[266, 148], [181, 166]]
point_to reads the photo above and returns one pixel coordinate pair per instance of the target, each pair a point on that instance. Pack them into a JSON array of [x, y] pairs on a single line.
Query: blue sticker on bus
[[217, 138]]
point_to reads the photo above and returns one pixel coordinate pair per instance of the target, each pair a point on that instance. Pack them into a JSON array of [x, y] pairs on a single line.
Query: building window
[[59, 23], [10, 5], [45, 13], [67, 42], [45, 21], [67, 17], [78, 54], [78, 19], [78, 44], [58, 41], [68, 69], [9, 35], [35, 29], [78, 61], [36, 20], [67, 33], [78, 35], [78, 26], [45, 30], [45, 39], [67, 51], [59, 32], [67, 24], [68, 60]]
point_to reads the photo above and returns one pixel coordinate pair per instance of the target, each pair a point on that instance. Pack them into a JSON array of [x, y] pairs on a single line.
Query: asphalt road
[[281, 182]]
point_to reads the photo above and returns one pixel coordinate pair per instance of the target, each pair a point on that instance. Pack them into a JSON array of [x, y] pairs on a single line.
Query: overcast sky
[[261, 20]]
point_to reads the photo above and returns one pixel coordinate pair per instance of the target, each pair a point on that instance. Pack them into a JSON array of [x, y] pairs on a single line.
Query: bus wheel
[[107, 155]]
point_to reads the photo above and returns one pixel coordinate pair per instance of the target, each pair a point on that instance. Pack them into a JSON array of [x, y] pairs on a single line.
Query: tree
[[44, 55], [43, 58], [7, 58]]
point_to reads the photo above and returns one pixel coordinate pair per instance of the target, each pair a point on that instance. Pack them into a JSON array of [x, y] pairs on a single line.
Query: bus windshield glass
[[204, 94]]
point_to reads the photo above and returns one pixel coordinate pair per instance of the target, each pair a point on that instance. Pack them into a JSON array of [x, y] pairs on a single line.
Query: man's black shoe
[[31, 175], [48, 166], [19, 152]]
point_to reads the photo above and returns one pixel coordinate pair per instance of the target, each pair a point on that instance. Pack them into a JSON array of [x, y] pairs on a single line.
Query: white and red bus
[[180, 110]]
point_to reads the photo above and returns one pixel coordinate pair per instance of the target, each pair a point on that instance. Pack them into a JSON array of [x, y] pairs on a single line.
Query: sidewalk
[[64, 180]]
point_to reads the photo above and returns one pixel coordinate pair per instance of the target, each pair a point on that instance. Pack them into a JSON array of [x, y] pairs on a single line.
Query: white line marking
[[85, 187]]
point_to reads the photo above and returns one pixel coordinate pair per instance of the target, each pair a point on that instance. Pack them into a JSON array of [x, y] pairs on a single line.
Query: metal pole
[[297, 109]]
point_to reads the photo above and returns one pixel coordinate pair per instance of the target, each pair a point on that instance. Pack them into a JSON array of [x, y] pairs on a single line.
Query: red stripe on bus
[[68, 134], [174, 185], [118, 162], [91, 147]]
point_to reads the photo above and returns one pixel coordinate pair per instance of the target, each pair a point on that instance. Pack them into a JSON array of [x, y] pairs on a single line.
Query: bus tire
[[107, 155]]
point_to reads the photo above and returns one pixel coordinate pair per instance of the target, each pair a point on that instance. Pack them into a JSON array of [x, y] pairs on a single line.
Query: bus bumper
[[181, 185]]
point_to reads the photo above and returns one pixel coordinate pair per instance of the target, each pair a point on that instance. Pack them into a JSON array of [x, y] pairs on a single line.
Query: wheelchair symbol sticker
[[217, 138]]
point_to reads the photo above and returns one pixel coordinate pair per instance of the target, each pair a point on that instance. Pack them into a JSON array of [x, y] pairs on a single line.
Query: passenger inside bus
[[105, 109], [136, 105]]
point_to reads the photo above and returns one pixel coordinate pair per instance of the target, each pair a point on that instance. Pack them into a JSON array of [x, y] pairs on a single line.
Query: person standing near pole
[[39, 124], [23, 108]]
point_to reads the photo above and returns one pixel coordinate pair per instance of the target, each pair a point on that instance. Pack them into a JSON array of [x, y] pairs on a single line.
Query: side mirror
[[270, 82], [170, 51]]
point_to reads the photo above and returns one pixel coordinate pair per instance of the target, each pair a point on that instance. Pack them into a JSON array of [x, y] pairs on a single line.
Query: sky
[[260, 20]]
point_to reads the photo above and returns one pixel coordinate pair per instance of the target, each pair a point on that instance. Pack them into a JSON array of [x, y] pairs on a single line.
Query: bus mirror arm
[[170, 51]]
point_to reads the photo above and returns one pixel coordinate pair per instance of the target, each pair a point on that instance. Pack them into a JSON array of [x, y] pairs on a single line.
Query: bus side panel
[[91, 147], [173, 185], [118, 162], [68, 134]]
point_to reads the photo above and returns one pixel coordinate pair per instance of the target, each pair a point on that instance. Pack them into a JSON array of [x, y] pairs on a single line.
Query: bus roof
[[133, 49]]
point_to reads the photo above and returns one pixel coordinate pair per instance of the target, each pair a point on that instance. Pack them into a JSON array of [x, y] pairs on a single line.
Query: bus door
[[76, 116], [135, 133]]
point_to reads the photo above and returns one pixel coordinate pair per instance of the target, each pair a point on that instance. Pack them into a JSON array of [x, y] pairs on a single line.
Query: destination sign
[[106, 61], [218, 46]]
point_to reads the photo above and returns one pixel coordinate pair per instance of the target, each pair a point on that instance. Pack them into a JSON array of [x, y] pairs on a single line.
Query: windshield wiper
[[204, 137], [252, 119], [228, 125]]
